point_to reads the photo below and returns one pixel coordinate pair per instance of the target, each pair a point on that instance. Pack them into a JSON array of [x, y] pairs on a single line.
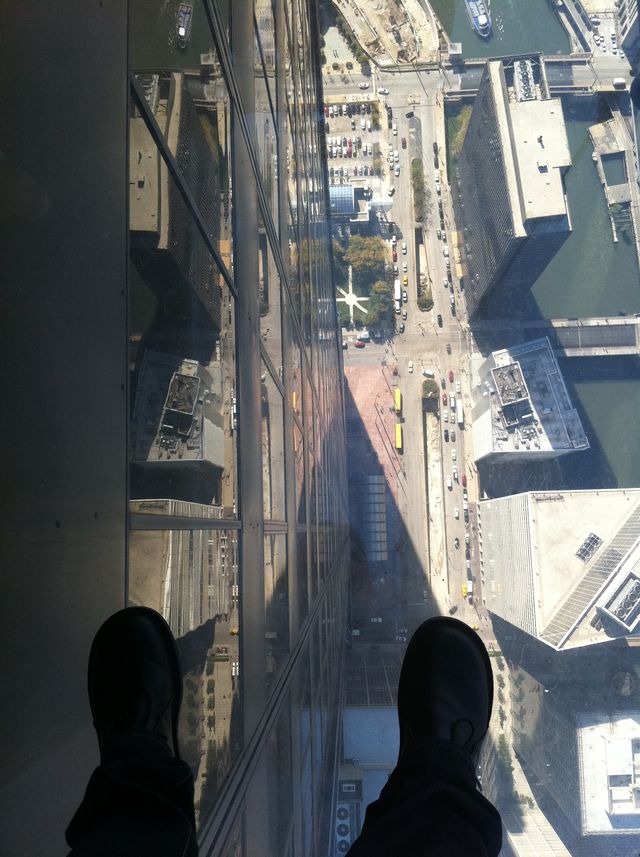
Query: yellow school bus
[[399, 436], [397, 396]]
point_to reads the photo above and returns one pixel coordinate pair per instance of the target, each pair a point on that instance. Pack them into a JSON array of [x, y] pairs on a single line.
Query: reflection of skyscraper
[[564, 566], [512, 209], [158, 217], [171, 364]]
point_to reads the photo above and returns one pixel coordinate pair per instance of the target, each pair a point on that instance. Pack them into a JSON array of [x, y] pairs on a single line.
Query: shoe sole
[[166, 632], [452, 624]]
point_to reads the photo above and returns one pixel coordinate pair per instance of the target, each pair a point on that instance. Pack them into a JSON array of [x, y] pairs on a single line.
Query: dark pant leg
[[430, 807], [138, 801]]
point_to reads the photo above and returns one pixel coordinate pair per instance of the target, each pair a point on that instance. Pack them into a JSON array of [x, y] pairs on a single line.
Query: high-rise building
[[563, 566], [183, 440], [629, 25], [509, 192], [587, 760], [521, 407]]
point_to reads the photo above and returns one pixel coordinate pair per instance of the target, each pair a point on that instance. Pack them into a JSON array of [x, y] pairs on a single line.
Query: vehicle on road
[[445, 416], [454, 454], [404, 142], [439, 234], [404, 248], [397, 399], [396, 170], [465, 506], [428, 373], [453, 435], [394, 255], [449, 483], [444, 398], [452, 399], [395, 129], [465, 494], [467, 539], [452, 304], [359, 344], [439, 320], [464, 480], [394, 240], [363, 85], [455, 474], [399, 437], [405, 297], [463, 589], [457, 386], [391, 190], [410, 366], [446, 435], [456, 512], [404, 314], [345, 344], [405, 280], [448, 348], [451, 376], [383, 91], [404, 267], [456, 542], [401, 327], [445, 251], [395, 270]]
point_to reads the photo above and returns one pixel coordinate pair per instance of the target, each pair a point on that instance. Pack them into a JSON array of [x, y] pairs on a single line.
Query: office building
[[586, 759], [521, 408], [629, 28], [171, 271], [509, 193], [564, 566]]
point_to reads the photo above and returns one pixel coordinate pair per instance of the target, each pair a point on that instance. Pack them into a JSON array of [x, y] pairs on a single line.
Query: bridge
[[565, 74], [613, 336]]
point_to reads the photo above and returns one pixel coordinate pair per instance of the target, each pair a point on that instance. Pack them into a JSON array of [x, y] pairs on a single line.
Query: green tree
[[367, 256], [380, 303]]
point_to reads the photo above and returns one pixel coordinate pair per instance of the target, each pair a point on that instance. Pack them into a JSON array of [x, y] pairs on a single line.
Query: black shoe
[[446, 686], [135, 683]]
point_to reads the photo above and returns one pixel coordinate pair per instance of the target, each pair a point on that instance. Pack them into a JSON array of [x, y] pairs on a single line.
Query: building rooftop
[[174, 416], [609, 752], [534, 144], [542, 153], [522, 404]]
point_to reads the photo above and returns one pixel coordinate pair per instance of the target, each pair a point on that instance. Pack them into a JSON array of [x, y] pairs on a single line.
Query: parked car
[[464, 480], [404, 248], [453, 436], [439, 319], [410, 367], [383, 91], [456, 513], [364, 85], [404, 314], [444, 398], [394, 255], [451, 376], [404, 142], [359, 344], [446, 435], [405, 297], [401, 327]]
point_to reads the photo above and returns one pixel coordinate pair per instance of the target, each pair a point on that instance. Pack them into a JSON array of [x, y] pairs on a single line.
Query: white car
[[395, 129], [391, 191], [404, 247], [396, 156], [396, 170], [383, 91], [445, 251], [458, 387], [456, 513], [394, 240], [405, 297], [395, 270], [364, 86], [404, 267], [445, 416], [449, 483], [410, 367], [436, 175], [465, 506], [453, 454]]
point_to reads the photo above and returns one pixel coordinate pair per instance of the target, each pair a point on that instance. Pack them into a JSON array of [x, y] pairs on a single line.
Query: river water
[[589, 276]]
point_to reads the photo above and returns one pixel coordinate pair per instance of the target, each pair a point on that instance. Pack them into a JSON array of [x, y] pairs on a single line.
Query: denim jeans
[[139, 801], [430, 807]]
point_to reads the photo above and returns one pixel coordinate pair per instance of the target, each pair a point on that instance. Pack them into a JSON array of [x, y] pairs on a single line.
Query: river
[[590, 275]]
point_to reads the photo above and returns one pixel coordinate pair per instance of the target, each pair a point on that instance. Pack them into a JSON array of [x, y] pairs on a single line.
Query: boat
[[478, 11], [185, 19]]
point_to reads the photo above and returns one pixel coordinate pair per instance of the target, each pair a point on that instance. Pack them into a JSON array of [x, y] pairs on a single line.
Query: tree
[[367, 256], [380, 303]]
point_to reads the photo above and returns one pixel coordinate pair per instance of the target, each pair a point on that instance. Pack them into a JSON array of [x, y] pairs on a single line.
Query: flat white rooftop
[[609, 750], [523, 407], [542, 152]]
